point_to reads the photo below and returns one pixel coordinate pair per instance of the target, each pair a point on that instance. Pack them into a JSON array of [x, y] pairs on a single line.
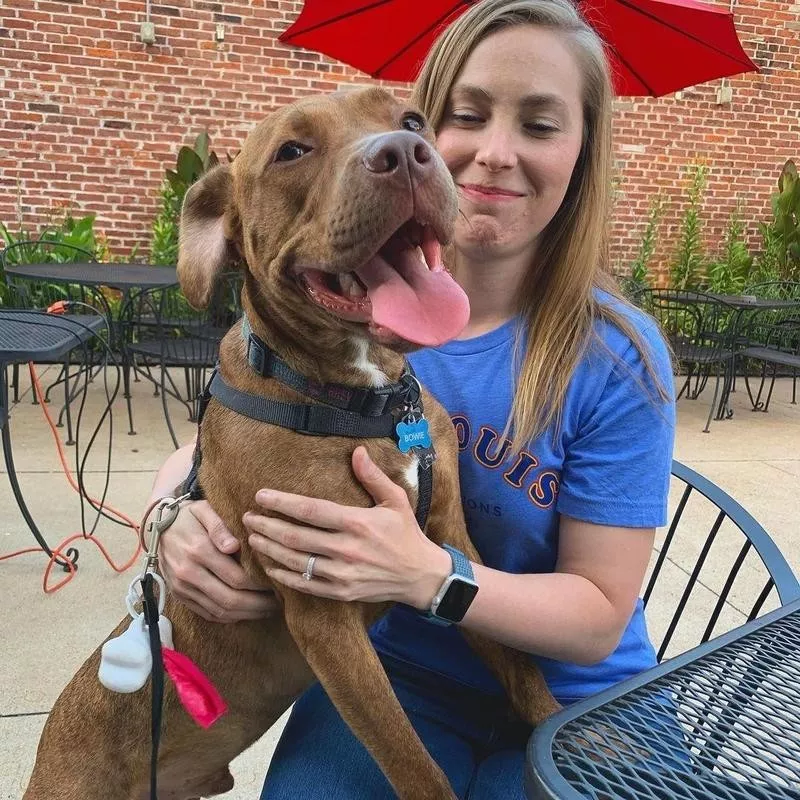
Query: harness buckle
[[255, 354]]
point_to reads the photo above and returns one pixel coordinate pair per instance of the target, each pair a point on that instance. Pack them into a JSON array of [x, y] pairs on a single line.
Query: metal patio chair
[[162, 331], [698, 329], [716, 568]]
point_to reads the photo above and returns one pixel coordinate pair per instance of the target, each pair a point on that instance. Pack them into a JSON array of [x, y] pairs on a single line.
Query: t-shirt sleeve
[[617, 468]]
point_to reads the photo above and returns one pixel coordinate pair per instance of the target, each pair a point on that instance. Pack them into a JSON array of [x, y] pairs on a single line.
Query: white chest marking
[[411, 474], [375, 376]]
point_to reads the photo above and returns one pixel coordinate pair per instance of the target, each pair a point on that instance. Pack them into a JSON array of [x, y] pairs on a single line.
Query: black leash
[[150, 609]]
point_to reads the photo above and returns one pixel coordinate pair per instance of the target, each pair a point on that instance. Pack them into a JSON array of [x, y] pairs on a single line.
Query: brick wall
[[90, 116]]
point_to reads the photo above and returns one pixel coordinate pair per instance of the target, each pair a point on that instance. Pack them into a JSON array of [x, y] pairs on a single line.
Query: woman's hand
[[372, 554], [197, 562]]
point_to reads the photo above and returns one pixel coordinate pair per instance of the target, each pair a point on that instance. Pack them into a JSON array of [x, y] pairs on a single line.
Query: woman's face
[[511, 136]]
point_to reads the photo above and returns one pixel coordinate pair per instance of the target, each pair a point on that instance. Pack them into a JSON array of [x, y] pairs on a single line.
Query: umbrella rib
[[630, 68], [424, 33], [333, 20], [682, 32]]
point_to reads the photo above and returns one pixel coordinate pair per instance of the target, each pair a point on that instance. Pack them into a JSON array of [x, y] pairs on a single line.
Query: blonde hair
[[558, 302]]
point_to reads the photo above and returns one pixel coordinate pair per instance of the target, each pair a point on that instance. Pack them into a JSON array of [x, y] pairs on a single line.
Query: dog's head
[[340, 206]]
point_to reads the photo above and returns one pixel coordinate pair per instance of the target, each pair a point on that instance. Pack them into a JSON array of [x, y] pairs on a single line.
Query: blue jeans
[[474, 737]]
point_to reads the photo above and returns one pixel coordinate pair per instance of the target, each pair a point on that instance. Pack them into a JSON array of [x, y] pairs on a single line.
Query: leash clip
[[166, 513]]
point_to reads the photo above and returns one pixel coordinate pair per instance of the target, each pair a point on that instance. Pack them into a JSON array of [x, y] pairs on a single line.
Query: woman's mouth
[[484, 193]]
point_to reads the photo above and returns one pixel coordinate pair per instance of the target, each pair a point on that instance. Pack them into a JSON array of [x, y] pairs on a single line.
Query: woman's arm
[[196, 555], [576, 614], [173, 472]]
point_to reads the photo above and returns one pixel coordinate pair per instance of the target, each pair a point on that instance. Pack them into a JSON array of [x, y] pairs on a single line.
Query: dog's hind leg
[[333, 638], [520, 676]]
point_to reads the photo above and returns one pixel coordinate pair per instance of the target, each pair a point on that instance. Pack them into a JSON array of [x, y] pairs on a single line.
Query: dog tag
[[412, 432], [125, 661]]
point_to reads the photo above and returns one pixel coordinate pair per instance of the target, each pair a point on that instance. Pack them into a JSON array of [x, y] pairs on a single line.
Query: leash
[[150, 608], [394, 411], [145, 648]]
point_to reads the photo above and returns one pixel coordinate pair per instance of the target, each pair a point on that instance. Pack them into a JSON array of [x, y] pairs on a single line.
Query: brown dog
[[326, 203]]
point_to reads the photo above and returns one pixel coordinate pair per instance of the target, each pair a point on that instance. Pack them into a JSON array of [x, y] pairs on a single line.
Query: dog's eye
[[413, 122], [291, 151]]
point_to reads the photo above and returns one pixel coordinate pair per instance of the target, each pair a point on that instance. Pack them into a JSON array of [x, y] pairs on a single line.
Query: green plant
[[688, 264], [786, 222], [164, 242], [191, 163], [730, 272], [640, 268]]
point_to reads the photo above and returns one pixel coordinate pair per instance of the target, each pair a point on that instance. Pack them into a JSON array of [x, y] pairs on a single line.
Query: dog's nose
[[400, 151]]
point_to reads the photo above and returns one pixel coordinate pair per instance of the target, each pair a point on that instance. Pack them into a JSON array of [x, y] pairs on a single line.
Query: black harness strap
[[342, 411], [314, 420]]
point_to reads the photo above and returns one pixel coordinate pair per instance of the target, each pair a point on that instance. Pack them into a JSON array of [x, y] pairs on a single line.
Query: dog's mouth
[[404, 290]]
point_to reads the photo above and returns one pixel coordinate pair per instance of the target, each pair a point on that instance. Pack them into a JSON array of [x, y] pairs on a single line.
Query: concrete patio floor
[[754, 456]]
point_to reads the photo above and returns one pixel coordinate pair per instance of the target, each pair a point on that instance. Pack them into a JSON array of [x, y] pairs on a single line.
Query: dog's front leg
[[333, 638], [520, 676]]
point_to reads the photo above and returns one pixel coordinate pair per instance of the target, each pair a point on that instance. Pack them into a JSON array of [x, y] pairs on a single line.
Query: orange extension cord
[[58, 551]]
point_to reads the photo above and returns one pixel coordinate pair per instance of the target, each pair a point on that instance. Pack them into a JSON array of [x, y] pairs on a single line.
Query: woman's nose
[[496, 151]]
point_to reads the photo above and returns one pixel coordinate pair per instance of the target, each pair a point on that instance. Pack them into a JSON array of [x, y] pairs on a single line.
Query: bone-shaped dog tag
[[125, 661]]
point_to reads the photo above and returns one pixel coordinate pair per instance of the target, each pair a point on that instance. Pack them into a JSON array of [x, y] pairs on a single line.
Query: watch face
[[456, 600]]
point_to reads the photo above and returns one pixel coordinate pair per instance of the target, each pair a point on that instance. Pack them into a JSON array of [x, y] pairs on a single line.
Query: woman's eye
[[413, 122], [465, 117], [291, 151], [540, 128]]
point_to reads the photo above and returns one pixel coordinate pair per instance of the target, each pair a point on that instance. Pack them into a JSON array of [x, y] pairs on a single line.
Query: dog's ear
[[205, 249]]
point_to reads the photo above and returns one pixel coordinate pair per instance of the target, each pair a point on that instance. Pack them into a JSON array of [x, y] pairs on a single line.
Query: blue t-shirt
[[610, 464]]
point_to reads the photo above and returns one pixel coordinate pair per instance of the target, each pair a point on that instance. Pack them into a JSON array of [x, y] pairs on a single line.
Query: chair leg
[[771, 387], [34, 398], [685, 386], [70, 440], [60, 379], [757, 404], [126, 383], [713, 402], [166, 408], [794, 387]]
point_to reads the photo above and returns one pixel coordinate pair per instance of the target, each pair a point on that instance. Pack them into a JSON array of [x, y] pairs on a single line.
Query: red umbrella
[[655, 46]]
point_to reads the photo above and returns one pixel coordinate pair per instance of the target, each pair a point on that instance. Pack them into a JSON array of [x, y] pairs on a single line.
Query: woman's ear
[[204, 250]]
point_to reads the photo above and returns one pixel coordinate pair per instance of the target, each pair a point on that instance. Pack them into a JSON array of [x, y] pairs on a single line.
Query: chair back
[[715, 568], [696, 325], [775, 290], [775, 329], [161, 322]]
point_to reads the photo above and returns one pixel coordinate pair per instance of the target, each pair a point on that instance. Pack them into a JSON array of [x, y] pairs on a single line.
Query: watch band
[[461, 564], [462, 575]]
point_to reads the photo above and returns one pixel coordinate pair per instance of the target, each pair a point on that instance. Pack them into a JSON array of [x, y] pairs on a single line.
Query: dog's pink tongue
[[421, 305]]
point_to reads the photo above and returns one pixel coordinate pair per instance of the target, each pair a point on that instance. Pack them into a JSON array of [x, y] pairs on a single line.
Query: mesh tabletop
[[722, 721], [35, 336], [118, 276]]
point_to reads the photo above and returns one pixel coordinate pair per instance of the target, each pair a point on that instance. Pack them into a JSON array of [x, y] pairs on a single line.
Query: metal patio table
[[36, 336], [721, 721], [124, 277]]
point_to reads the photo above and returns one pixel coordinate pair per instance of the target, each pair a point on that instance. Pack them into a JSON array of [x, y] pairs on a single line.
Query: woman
[[561, 395]]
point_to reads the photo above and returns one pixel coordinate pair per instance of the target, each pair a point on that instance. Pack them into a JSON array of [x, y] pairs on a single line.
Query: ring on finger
[[309, 573]]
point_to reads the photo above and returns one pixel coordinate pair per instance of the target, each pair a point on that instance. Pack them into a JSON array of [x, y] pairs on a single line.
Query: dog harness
[[394, 411]]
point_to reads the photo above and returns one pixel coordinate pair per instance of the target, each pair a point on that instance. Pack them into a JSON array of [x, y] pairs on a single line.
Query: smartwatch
[[455, 595]]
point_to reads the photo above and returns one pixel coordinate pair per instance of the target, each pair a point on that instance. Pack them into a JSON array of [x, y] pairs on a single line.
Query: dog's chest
[[242, 455]]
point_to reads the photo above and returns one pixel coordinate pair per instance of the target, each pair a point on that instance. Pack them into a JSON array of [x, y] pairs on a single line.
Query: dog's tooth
[[421, 255], [350, 286]]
